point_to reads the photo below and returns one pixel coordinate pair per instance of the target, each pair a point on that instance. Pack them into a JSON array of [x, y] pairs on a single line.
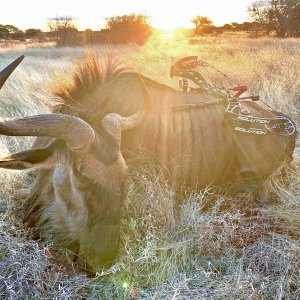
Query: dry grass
[[22, 45], [192, 245]]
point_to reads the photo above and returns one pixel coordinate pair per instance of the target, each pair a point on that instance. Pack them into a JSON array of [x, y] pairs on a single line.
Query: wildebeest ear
[[28, 159]]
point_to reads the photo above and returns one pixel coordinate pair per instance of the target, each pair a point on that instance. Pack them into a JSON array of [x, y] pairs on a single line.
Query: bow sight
[[190, 69], [186, 69]]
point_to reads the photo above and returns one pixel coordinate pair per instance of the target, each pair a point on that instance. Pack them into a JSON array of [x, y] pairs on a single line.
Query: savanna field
[[209, 244]]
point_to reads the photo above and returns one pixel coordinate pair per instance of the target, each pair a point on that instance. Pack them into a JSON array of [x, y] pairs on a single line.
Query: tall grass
[[207, 244]]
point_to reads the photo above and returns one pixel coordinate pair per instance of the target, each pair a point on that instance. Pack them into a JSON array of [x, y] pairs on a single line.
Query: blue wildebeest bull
[[82, 171], [197, 146], [79, 188]]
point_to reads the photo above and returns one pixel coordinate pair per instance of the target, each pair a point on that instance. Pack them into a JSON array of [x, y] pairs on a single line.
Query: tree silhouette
[[64, 31], [202, 25], [282, 16], [128, 28], [10, 32], [4, 32], [33, 33]]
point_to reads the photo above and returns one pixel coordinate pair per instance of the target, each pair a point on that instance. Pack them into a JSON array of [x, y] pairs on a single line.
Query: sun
[[169, 22], [167, 34]]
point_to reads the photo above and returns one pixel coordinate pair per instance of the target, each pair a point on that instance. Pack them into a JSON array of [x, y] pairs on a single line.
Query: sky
[[165, 14]]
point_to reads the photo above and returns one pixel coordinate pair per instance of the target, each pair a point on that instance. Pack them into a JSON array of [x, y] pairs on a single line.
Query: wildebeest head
[[85, 176]]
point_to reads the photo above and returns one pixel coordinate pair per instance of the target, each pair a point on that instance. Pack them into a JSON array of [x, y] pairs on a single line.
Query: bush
[[63, 30], [127, 29], [11, 32]]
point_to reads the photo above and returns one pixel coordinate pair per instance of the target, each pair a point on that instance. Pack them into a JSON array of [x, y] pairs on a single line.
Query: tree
[[4, 32], [32, 33], [64, 31], [128, 28], [246, 26], [282, 16], [227, 27], [202, 25], [88, 36], [10, 32], [235, 26]]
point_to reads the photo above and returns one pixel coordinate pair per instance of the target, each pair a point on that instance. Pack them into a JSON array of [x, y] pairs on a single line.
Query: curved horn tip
[[5, 73]]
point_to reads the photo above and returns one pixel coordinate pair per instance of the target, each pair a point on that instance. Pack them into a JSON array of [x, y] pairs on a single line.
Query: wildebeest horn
[[74, 131], [132, 121], [4, 74]]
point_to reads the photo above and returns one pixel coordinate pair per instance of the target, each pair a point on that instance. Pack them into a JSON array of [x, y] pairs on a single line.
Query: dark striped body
[[196, 146]]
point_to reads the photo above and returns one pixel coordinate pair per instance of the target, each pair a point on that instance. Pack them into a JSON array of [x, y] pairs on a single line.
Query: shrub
[[127, 29]]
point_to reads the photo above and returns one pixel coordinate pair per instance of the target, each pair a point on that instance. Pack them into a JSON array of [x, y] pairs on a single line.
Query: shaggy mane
[[74, 93]]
